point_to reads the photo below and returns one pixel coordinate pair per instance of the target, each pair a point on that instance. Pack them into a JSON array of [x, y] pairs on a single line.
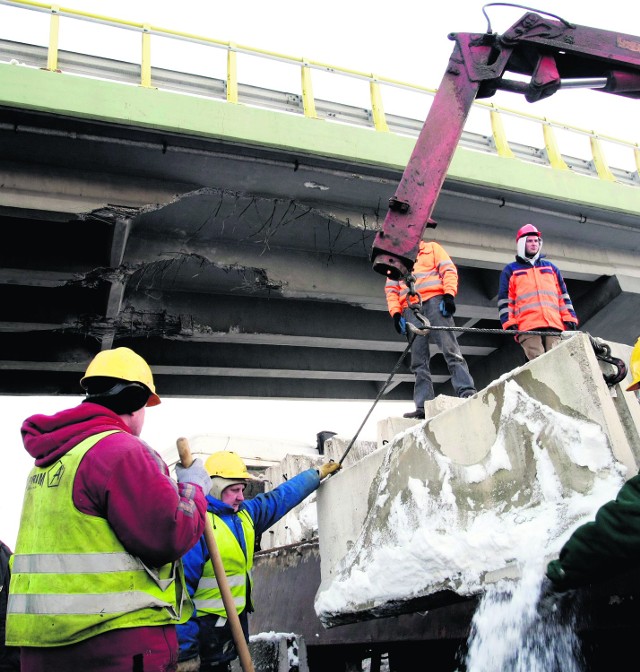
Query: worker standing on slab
[[97, 581], [533, 296], [436, 282], [206, 641]]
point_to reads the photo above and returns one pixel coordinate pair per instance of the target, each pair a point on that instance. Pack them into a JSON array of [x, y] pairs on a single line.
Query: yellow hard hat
[[635, 367], [226, 464], [123, 364]]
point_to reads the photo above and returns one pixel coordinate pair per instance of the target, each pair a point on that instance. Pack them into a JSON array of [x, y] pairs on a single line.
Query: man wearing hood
[[533, 296], [97, 583], [206, 641]]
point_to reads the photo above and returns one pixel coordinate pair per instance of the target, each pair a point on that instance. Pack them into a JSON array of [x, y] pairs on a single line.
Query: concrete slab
[[301, 523], [336, 447], [458, 500], [391, 427]]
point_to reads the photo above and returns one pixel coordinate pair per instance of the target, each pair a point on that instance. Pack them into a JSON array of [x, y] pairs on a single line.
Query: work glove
[[195, 474], [447, 305], [329, 468], [514, 327], [400, 324], [550, 597], [556, 574], [570, 326], [553, 596]]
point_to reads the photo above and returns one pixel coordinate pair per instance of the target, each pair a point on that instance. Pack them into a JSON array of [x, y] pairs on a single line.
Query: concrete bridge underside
[[229, 245]]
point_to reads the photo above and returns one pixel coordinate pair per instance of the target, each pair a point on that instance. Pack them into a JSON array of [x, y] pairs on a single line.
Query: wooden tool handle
[[186, 459], [184, 452]]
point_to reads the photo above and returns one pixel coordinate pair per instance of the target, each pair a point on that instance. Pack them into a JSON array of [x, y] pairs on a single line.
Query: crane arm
[[554, 54]]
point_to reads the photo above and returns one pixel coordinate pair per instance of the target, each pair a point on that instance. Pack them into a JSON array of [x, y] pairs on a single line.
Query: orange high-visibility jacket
[[534, 297], [435, 275]]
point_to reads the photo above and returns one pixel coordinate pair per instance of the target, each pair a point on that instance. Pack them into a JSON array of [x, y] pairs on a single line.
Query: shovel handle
[[184, 452], [186, 460]]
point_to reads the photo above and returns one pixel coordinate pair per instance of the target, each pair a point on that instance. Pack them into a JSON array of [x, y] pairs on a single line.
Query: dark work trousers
[[447, 342]]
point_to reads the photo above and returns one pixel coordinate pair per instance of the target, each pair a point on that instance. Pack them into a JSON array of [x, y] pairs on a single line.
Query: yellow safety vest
[[71, 578], [208, 598]]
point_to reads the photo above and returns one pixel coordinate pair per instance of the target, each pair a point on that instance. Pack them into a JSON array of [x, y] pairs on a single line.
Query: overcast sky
[[404, 40]]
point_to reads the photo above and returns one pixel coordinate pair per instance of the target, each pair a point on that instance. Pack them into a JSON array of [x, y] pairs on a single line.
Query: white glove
[[195, 474]]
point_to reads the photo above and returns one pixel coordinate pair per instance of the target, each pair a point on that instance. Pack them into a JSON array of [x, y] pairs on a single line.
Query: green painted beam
[[72, 96]]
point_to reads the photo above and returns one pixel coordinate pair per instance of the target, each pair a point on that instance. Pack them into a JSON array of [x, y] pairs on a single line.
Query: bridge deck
[[229, 243]]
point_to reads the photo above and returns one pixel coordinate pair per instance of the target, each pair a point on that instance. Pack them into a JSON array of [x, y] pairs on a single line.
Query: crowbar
[[218, 569]]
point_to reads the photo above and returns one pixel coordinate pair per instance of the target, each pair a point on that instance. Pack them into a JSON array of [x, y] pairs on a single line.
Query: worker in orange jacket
[[533, 296], [436, 281]]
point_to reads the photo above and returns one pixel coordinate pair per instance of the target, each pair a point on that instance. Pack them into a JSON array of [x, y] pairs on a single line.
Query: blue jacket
[[265, 510]]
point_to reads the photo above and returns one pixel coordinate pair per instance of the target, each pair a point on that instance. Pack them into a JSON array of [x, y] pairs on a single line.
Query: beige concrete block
[[336, 447], [391, 427], [344, 502], [458, 499], [301, 523]]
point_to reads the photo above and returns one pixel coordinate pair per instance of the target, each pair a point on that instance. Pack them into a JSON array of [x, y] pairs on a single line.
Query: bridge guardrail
[[230, 89]]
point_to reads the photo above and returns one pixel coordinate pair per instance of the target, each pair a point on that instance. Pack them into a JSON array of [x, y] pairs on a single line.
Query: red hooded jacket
[[126, 482]]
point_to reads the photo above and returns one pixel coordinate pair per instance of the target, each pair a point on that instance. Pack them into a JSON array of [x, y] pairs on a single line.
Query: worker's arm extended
[[267, 508]]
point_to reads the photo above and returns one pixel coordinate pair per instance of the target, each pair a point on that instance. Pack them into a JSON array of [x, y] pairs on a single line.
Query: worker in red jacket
[[533, 296], [436, 281], [97, 582]]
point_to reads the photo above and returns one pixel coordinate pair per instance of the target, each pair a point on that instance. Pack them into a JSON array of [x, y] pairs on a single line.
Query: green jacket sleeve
[[605, 547]]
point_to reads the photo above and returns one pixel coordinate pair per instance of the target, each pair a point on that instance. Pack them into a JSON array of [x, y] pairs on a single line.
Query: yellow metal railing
[[502, 146]]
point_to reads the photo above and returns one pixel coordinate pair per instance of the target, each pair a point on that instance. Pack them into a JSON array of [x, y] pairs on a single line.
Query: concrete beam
[[615, 305]]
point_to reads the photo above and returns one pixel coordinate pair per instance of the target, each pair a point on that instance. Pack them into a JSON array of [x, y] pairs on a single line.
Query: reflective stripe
[[217, 605], [541, 292], [425, 274], [233, 581], [83, 603], [87, 563], [76, 563], [536, 304]]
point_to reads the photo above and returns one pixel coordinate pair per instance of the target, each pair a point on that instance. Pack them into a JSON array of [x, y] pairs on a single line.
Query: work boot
[[418, 414], [467, 393]]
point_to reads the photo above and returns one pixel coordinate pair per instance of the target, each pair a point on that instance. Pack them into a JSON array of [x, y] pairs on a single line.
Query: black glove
[[552, 596], [514, 327], [570, 326], [447, 305], [400, 324], [556, 574], [549, 597]]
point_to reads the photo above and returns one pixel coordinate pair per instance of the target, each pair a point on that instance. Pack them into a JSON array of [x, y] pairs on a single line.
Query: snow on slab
[[479, 492]]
